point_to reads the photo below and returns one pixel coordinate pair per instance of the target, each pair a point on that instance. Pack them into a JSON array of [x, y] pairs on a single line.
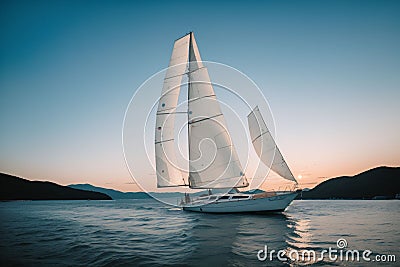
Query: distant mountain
[[15, 188], [377, 182], [114, 194]]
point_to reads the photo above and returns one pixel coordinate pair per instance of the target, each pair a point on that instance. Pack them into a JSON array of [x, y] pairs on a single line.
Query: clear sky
[[329, 69]]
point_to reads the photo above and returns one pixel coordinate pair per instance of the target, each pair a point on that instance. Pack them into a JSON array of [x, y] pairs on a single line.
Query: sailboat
[[214, 163]]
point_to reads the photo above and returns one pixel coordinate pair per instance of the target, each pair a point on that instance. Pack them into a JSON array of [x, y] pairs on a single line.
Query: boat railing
[[287, 188], [187, 199]]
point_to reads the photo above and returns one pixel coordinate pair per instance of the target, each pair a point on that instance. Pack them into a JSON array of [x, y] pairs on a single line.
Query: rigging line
[[224, 187], [191, 122], [201, 97], [227, 178], [177, 185], [260, 136], [165, 109], [183, 36], [231, 145], [185, 73], [162, 141], [191, 71], [252, 112], [166, 78], [176, 112], [188, 96]]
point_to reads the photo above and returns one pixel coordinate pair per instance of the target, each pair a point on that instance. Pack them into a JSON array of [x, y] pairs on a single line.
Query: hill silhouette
[[16, 188], [115, 194], [377, 182], [380, 181]]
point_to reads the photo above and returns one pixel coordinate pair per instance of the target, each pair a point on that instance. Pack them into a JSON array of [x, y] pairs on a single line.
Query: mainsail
[[213, 161], [265, 146], [168, 174]]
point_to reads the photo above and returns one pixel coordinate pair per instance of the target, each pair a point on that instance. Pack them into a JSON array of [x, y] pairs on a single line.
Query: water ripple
[[142, 233]]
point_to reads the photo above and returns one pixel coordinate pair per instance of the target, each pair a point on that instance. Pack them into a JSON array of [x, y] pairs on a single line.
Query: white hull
[[268, 204]]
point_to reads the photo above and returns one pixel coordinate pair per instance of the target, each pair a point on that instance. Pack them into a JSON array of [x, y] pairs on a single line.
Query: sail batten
[[265, 146], [195, 99], [175, 76], [203, 119]]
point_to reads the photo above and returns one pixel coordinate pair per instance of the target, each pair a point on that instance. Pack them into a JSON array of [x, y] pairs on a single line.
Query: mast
[[188, 97]]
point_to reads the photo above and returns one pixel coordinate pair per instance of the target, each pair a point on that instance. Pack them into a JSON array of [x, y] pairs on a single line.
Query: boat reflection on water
[[221, 240], [232, 239]]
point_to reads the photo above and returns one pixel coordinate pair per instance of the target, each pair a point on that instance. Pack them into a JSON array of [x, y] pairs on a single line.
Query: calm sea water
[[145, 232]]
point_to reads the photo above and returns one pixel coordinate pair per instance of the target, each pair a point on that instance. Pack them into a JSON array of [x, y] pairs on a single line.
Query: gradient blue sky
[[329, 69]]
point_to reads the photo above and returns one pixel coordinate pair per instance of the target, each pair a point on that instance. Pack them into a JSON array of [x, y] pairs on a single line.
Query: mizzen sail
[[265, 146]]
